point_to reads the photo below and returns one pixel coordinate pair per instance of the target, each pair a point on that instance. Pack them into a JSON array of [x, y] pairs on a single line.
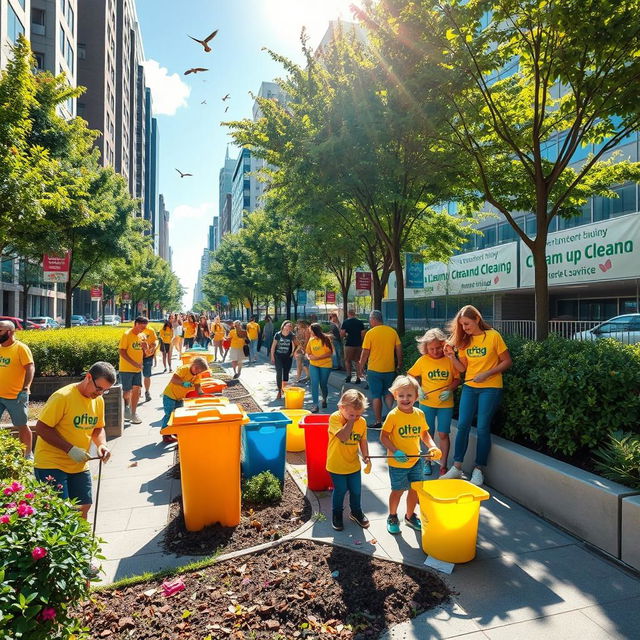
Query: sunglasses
[[102, 390]]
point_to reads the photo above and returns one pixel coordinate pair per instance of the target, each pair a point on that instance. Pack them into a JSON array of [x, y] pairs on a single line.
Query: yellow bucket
[[295, 435], [293, 397], [450, 512]]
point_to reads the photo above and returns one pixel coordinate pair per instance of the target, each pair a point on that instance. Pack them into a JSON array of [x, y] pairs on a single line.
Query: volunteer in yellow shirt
[[186, 378], [190, 327], [237, 336], [130, 368], [403, 430], [439, 378], [16, 374], [482, 356], [71, 419], [347, 437], [217, 329], [148, 351], [319, 351], [380, 349], [166, 338], [253, 333]]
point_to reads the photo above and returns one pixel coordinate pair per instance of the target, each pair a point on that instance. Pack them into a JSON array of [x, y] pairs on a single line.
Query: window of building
[[39, 60], [488, 237], [605, 208], [576, 221], [82, 51], [247, 202], [38, 22], [62, 38], [82, 109], [15, 28], [7, 270], [71, 17], [70, 57]]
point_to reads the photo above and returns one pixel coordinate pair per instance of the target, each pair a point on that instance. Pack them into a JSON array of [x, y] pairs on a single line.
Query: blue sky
[[191, 137]]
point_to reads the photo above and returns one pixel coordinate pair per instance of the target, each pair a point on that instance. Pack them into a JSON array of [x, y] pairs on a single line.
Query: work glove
[[78, 455], [434, 453], [186, 385], [421, 394], [445, 395], [400, 456], [367, 465]]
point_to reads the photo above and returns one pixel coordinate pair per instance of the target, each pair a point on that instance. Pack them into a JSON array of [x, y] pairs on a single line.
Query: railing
[[569, 328]]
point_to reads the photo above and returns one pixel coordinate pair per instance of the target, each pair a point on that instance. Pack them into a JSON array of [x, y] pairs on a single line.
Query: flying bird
[[226, 97], [195, 70], [204, 102], [227, 109], [184, 175], [205, 42]]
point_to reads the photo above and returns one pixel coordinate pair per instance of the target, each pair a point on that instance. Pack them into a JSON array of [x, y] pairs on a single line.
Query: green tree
[[520, 86]]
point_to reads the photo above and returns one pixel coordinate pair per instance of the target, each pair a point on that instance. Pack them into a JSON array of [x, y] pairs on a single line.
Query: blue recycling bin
[[264, 440]]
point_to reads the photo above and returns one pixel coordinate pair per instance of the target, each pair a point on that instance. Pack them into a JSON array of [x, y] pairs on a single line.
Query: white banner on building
[[607, 250]]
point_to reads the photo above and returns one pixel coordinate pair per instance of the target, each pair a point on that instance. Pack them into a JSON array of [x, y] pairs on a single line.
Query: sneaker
[[413, 522], [315, 409], [360, 518], [324, 403], [393, 525], [377, 425], [303, 380], [443, 470], [453, 474], [348, 379], [147, 396], [358, 381], [136, 419], [428, 469], [28, 456], [336, 522], [236, 376], [477, 478], [127, 412]]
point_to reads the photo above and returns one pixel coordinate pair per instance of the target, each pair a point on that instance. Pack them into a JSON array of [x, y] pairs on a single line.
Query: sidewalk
[[529, 579]]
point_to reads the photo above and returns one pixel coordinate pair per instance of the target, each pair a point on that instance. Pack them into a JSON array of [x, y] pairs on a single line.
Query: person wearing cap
[[72, 419], [131, 350], [16, 375]]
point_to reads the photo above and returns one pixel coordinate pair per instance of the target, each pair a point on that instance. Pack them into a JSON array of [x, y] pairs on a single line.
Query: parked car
[[20, 324], [45, 321], [112, 320], [16, 321], [624, 328], [78, 321]]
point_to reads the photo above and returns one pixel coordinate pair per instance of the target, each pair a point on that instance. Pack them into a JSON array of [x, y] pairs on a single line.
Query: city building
[[152, 169], [225, 218], [214, 233], [164, 251], [225, 186], [15, 20], [244, 190]]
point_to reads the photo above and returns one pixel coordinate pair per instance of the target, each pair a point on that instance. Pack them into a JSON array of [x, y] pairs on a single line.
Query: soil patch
[[258, 524], [299, 589], [237, 393]]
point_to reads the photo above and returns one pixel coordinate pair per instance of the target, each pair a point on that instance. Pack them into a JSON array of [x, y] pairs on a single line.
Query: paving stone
[[621, 619]]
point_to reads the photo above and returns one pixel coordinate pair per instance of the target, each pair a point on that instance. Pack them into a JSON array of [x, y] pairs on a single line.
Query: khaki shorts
[[352, 354]]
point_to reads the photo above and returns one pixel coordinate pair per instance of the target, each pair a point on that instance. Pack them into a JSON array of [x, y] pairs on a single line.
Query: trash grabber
[[95, 506]]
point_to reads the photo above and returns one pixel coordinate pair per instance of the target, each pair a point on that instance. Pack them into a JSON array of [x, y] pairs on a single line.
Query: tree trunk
[[288, 303], [345, 299], [541, 287], [397, 267]]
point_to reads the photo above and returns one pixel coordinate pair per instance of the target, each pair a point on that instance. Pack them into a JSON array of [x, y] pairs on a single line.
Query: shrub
[[262, 489], [45, 551], [13, 465], [410, 351], [619, 459]]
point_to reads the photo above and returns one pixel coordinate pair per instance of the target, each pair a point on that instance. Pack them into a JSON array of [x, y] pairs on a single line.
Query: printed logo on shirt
[[438, 374], [476, 352], [137, 346], [85, 421], [409, 431], [5, 362]]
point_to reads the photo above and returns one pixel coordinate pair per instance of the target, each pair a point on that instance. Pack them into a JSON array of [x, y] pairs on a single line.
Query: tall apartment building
[[152, 167], [15, 18], [225, 186], [163, 249], [244, 190]]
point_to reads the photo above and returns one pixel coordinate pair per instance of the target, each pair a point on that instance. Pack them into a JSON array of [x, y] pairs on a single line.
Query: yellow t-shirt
[[316, 347], [342, 457], [133, 344], [166, 335], [435, 374], [13, 360], [74, 417], [253, 330], [189, 329], [237, 342], [177, 391], [218, 332], [151, 339], [381, 342], [405, 430], [482, 355]]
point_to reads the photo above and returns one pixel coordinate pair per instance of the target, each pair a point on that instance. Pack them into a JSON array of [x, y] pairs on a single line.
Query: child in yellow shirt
[[403, 429], [347, 436]]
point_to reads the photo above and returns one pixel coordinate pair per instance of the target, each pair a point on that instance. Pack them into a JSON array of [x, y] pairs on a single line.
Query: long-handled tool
[[367, 466], [95, 506]]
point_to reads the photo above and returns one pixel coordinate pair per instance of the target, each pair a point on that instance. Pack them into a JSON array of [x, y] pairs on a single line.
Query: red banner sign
[[56, 268], [331, 297], [96, 293], [363, 280]]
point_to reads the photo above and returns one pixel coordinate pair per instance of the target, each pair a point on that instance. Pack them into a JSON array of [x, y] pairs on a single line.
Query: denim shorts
[[74, 485], [147, 365], [401, 478], [128, 379], [438, 418], [379, 383], [16, 408]]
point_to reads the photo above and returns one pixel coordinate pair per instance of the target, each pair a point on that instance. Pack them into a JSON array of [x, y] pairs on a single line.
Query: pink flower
[[4, 519], [7, 491], [48, 613], [24, 510], [38, 552], [29, 496], [14, 487], [11, 505]]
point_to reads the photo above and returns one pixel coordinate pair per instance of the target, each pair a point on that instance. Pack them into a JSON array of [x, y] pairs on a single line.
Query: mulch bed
[[298, 589], [237, 393], [258, 524]]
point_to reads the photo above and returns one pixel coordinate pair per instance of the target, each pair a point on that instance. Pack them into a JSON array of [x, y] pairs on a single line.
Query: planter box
[[43, 386], [580, 502], [630, 541], [114, 412]]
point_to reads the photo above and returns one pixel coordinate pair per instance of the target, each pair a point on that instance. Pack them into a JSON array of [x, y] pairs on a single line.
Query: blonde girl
[[478, 351], [236, 350], [319, 351], [218, 332]]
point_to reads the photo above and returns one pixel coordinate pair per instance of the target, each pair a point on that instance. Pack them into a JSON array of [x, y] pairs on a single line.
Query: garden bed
[[259, 524], [298, 589], [237, 393]]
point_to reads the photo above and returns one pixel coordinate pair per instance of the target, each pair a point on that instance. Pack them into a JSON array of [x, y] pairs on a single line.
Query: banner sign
[[363, 280], [96, 293], [606, 250], [224, 300], [331, 297], [320, 298], [301, 296], [56, 268], [126, 297], [414, 277]]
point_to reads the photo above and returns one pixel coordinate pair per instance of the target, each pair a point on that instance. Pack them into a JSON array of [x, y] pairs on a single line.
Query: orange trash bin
[[209, 441], [204, 401]]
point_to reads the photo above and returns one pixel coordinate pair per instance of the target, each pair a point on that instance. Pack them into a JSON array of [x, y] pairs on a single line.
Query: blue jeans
[[72, 485], [319, 378], [338, 354], [169, 405], [485, 401], [253, 349], [343, 482], [440, 416]]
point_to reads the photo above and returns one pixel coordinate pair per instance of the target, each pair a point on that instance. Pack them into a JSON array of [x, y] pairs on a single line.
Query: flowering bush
[[13, 465], [45, 554]]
